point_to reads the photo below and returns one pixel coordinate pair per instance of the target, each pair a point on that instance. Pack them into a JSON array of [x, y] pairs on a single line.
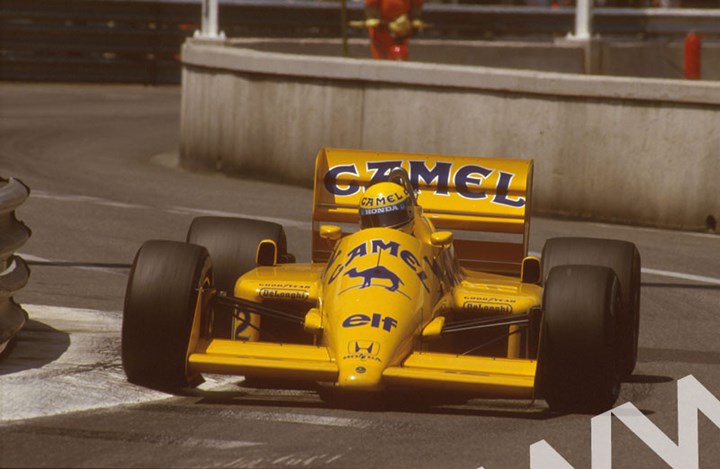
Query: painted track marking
[[678, 275], [307, 419], [287, 222], [134, 437], [68, 360], [123, 271], [668, 273]]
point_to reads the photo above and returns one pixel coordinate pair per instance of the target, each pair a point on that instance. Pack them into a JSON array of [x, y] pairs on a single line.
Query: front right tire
[[161, 305], [577, 369]]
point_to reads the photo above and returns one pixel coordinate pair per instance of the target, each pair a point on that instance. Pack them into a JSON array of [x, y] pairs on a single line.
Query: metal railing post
[[583, 20], [344, 27], [209, 28], [583, 36]]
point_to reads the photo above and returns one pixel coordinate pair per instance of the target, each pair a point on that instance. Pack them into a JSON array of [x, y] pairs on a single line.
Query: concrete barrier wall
[[647, 59], [638, 151]]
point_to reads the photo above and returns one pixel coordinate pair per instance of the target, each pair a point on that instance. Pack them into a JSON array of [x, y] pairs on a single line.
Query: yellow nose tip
[[361, 377]]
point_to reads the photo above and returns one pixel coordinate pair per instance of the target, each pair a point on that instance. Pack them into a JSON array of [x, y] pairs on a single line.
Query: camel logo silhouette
[[378, 272]]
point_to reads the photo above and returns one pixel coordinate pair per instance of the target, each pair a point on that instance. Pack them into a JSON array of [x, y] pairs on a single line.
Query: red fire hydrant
[[692, 56]]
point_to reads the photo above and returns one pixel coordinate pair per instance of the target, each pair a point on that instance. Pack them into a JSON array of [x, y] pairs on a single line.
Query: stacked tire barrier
[[14, 272]]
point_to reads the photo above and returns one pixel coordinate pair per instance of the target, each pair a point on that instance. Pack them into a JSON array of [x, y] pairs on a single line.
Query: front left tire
[[623, 258]]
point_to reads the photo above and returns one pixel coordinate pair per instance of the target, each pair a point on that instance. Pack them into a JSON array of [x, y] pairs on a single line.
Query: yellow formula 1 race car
[[420, 279]]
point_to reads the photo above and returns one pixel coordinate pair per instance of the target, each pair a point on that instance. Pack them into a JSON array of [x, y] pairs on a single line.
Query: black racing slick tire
[[577, 369], [623, 258], [161, 304], [232, 244]]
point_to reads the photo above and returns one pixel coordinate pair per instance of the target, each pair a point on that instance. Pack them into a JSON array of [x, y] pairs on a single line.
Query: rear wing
[[466, 195]]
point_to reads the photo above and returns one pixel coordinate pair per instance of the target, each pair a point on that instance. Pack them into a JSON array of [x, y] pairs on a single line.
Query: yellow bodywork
[[374, 303]]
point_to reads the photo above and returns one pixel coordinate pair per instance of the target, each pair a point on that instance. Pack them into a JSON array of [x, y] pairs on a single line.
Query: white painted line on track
[[218, 444], [678, 275], [106, 270], [288, 460], [307, 419], [287, 222], [138, 437], [667, 273], [72, 365], [85, 199], [649, 229]]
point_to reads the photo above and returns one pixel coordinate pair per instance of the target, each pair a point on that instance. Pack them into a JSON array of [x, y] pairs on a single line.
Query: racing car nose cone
[[360, 376]]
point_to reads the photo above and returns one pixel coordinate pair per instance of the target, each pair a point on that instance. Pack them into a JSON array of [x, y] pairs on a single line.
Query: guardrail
[[137, 41], [14, 272]]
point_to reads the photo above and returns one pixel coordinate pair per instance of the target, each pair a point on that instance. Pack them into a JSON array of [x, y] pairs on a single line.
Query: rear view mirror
[[441, 239], [531, 271], [331, 232], [266, 253]]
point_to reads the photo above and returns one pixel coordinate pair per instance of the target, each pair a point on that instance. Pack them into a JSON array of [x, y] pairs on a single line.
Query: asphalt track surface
[[101, 164]]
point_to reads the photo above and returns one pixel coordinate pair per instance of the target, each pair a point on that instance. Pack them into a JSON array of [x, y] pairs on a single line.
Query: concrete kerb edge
[[235, 59]]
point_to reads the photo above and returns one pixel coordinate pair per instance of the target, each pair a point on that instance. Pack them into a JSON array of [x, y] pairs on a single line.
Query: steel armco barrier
[[14, 272], [138, 41]]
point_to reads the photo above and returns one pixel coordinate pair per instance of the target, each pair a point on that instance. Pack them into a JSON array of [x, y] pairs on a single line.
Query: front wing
[[482, 376]]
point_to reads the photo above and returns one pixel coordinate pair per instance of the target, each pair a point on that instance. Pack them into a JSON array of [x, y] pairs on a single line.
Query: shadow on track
[[306, 397], [36, 345]]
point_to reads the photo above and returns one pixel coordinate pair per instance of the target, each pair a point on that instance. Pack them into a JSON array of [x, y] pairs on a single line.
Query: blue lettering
[[335, 273], [381, 169], [441, 173], [378, 244], [377, 321], [389, 323], [468, 180], [356, 320], [331, 177], [501, 193], [410, 259], [462, 179], [241, 325], [360, 250], [423, 276]]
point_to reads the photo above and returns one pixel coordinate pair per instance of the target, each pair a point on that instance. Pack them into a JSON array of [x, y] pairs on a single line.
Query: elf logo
[[376, 320]]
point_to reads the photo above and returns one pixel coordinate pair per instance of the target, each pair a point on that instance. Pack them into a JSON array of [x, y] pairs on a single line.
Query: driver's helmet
[[388, 205]]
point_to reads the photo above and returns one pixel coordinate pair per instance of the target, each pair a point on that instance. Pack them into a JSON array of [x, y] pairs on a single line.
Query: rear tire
[[160, 307], [624, 259], [232, 244], [577, 369]]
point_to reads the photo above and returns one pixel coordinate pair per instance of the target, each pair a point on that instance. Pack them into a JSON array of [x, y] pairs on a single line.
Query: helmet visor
[[390, 216]]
